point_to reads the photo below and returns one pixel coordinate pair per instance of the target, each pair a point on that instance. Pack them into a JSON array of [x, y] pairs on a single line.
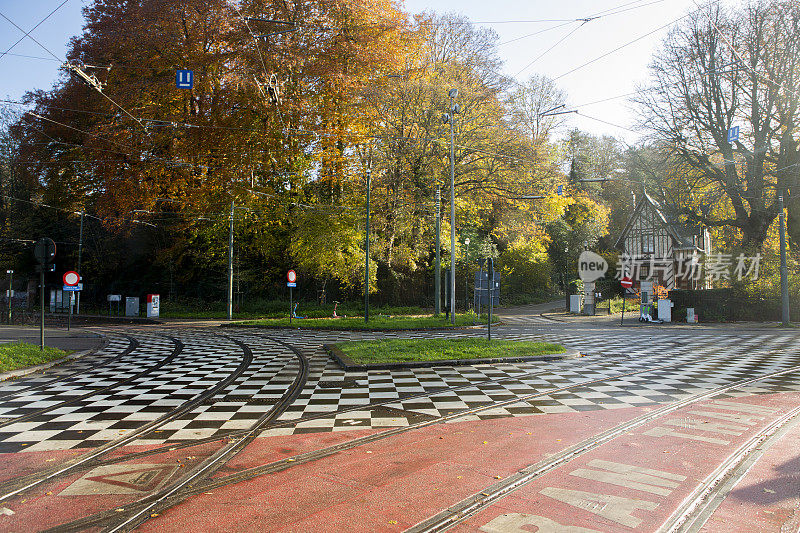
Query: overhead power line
[[27, 34]]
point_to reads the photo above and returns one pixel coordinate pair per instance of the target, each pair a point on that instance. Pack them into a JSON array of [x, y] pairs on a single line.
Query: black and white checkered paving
[[336, 400]]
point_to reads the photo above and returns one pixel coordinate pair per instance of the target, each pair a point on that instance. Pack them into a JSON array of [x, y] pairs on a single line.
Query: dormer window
[[648, 243]]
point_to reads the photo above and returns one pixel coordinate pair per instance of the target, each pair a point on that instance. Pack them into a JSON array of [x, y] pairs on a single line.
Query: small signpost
[[72, 284], [560, 190], [626, 283], [184, 79], [291, 282]]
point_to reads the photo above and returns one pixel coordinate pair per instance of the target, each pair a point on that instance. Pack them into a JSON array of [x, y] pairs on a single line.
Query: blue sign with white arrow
[[733, 134], [184, 79]]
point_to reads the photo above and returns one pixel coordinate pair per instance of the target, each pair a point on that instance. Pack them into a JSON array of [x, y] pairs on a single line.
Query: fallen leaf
[[289, 460], [48, 460], [119, 510], [558, 440], [50, 493], [485, 442], [529, 433], [459, 477], [498, 477], [369, 451], [153, 515], [209, 493], [765, 490], [392, 521]]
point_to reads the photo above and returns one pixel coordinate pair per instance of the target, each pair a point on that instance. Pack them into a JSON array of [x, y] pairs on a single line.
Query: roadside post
[[45, 252], [491, 293], [626, 283], [72, 284], [291, 282], [10, 293]]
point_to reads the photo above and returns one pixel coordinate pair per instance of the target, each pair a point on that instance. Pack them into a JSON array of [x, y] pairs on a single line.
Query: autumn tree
[[722, 69]]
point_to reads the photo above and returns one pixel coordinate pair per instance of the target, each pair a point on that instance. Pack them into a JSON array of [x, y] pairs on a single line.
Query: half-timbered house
[[656, 247]]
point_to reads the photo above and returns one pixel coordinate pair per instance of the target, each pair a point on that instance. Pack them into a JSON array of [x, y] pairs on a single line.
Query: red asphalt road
[[394, 483]]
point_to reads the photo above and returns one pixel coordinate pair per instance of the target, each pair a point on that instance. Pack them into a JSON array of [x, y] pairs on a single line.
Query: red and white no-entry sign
[[71, 278], [626, 282], [291, 276]]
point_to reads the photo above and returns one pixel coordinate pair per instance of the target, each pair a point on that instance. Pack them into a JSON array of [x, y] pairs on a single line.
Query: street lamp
[[449, 118], [466, 277], [10, 292]]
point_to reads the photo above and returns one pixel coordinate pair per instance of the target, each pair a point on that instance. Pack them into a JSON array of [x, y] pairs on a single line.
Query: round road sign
[[291, 276], [71, 278], [626, 282]]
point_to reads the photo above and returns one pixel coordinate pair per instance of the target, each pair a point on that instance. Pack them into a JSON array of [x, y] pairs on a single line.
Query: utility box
[[665, 310], [575, 301], [131, 306], [691, 318], [588, 298], [153, 305]]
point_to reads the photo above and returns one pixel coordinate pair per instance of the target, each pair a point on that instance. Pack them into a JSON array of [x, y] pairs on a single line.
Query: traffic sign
[[560, 190], [626, 282], [291, 284], [71, 278], [291, 276], [184, 79], [74, 288], [45, 251], [733, 134]]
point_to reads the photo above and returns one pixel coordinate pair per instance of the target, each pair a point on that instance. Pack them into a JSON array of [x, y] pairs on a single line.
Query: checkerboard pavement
[[116, 345], [204, 361], [336, 400]]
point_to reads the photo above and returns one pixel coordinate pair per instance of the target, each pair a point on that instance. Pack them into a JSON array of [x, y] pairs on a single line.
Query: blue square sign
[[184, 79], [733, 134], [560, 190]]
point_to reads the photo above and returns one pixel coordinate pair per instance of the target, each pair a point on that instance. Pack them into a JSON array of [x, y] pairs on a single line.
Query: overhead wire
[[32, 29]]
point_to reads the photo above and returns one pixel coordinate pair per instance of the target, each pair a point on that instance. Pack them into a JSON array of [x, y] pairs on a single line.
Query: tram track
[[696, 508], [360, 407], [481, 500], [158, 503], [19, 485], [72, 376], [136, 513], [44, 411]]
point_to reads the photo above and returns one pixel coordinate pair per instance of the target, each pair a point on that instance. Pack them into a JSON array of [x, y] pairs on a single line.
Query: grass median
[[18, 355], [379, 322], [408, 350]]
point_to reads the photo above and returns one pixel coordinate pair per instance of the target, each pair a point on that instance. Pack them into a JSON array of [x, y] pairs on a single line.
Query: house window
[[648, 243]]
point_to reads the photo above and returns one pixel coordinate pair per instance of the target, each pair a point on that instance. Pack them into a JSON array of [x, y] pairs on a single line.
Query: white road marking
[[634, 477], [615, 508], [514, 522]]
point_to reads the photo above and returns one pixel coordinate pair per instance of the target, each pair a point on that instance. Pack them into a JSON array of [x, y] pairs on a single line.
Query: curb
[[11, 374], [348, 364], [357, 330]]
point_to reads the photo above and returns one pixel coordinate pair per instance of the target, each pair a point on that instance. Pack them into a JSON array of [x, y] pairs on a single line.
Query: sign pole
[[69, 317], [41, 302], [624, 293], [491, 294], [290, 306], [10, 292]]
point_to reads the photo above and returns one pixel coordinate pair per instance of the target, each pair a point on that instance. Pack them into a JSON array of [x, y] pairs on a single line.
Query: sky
[[617, 74]]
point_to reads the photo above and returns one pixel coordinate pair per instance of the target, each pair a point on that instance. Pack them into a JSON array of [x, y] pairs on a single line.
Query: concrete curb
[[348, 364], [71, 357], [356, 330]]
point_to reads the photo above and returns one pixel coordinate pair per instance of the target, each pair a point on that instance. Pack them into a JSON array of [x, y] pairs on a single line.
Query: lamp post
[[466, 277], [784, 268], [437, 282], [366, 239], [10, 292], [449, 118]]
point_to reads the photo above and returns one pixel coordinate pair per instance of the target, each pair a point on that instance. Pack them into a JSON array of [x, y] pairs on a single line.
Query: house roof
[[680, 234]]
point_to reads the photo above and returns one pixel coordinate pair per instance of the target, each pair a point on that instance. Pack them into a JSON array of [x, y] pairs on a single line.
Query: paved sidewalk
[[76, 340]]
